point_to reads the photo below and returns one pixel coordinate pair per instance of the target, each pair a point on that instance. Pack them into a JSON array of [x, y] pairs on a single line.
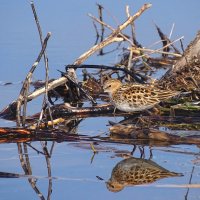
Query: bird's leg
[[142, 152], [139, 121], [134, 148], [151, 153], [148, 112], [157, 109], [172, 111], [114, 110], [114, 113], [143, 121]]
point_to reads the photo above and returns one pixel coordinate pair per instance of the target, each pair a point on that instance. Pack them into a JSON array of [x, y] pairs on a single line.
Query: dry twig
[[23, 97]]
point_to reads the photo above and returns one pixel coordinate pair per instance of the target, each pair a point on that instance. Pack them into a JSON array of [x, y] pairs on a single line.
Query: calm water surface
[[73, 165]]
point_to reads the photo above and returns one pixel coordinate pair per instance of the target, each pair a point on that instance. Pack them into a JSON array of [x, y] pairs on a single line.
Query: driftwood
[[66, 110], [119, 133], [184, 75], [132, 132], [115, 36], [25, 88]]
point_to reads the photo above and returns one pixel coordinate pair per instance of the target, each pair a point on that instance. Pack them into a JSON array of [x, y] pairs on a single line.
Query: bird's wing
[[149, 94], [143, 95]]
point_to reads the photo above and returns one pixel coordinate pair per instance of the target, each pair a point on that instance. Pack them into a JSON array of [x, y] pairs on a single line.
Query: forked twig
[[112, 29], [157, 50], [113, 37], [45, 104], [25, 86]]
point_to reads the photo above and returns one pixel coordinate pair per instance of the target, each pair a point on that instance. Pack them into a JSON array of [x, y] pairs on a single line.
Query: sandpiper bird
[[136, 171], [135, 97]]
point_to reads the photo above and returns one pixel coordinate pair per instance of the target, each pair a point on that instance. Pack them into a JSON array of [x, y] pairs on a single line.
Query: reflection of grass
[[189, 106], [186, 109], [174, 101], [186, 106], [184, 126]]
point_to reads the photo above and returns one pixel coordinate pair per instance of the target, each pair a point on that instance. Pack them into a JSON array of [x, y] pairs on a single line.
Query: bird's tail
[[166, 94]]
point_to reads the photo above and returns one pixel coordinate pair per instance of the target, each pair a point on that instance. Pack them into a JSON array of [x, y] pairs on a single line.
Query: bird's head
[[111, 85], [114, 186]]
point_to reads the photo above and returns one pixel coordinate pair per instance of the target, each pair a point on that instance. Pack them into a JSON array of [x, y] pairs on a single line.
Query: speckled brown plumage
[[136, 171], [135, 97]]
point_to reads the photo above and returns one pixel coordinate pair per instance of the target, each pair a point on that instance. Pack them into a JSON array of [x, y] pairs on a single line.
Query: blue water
[[72, 34], [75, 175]]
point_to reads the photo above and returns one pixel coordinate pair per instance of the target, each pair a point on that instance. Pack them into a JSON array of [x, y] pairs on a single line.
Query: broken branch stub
[[113, 37]]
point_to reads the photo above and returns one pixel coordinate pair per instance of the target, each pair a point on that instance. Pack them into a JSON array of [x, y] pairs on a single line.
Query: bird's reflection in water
[[136, 171]]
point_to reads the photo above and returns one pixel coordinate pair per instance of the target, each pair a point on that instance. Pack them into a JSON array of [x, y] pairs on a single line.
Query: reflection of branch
[[25, 163], [39, 152], [92, 158], [21, 158], [51, 149], [28, 165], [186, 195], [47, 158]]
